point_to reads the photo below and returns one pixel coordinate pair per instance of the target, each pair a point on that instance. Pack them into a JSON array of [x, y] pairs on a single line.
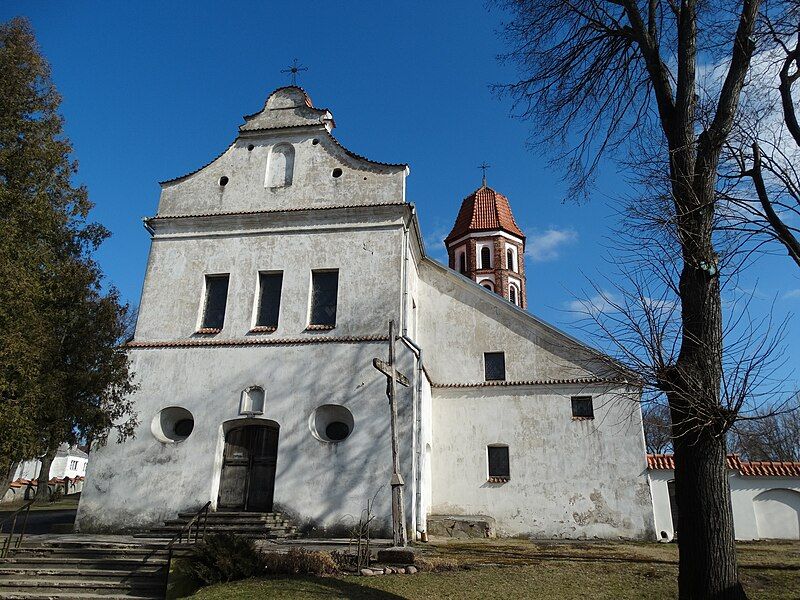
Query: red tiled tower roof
[[484, 210]]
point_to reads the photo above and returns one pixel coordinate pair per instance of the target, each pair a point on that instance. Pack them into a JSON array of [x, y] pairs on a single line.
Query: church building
[[273, 273]]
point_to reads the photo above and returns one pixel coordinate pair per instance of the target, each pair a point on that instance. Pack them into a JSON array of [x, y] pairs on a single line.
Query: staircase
[[79, 570], [268, 525]]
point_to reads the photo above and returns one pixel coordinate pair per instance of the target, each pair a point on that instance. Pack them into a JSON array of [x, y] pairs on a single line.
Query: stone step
[[89, 562], [10, 570], [70, 553], [70, 595], [97, 586], [230, 520]]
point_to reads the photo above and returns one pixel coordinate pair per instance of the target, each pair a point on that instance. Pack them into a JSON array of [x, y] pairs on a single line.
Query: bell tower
[[487, 245]]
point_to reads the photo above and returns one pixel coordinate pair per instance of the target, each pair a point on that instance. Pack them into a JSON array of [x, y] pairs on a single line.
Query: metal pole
[[398, 507]]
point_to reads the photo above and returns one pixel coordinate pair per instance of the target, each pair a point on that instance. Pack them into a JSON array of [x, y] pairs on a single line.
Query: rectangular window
[[73, 464], [498, 463], [269, 302], [216, 299], [324, 293], [494, 365], [582, 407]]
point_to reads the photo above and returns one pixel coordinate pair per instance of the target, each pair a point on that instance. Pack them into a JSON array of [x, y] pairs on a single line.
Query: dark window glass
[[184, 427], [510, 259], [512, 294], [462, 262], [270, 302], [216, 299], [494, 366], [324, 292], [582, 407], [337, 431], [498, 461], [486, 258]]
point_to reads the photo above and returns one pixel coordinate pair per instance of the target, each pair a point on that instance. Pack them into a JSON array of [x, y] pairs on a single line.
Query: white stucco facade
[[286, 197], [764, 506]]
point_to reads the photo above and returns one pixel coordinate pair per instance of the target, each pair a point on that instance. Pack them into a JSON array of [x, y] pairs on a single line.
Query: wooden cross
[[294, 69], [398, 507]]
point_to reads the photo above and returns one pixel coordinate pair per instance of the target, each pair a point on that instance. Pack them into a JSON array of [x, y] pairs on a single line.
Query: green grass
[[68, 503], [524, 569]]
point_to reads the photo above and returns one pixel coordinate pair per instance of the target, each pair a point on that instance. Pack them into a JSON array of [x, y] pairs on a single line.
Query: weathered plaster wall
[[460, 321], [144, 481], [368, 260], [744, 492], [313, 184], [569, 478]]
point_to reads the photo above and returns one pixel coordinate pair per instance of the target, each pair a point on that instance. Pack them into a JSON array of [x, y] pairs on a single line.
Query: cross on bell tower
[[483, 166]]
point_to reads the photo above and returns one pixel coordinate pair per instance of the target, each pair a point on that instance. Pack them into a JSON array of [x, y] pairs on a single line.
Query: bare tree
[[600, 74], [657, 428], [775, 437], [763, 183]]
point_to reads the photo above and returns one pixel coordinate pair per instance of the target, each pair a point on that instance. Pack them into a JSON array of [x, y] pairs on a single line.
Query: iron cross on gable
[[294, 69]]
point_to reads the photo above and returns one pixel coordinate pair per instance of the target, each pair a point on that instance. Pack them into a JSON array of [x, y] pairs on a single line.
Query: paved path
[[42, 521]]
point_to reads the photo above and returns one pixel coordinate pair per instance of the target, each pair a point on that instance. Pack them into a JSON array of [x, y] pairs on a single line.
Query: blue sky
[[153, 90]]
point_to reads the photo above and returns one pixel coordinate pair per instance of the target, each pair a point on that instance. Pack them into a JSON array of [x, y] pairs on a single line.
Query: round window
[[337, 431], [337, 172], [172, 425], [331, 423], [223, 181]]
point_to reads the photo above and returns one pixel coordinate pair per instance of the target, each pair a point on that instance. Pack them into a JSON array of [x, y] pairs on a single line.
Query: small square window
[[494, 364], [324, 295], [269, 302], [499, 470], [582, 407], [216, 299]]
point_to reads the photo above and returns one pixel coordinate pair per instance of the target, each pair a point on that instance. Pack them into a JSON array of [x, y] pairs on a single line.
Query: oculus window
[[582, 407], [324, 294], [216, 299], [498, 463], [494, 366], [269, 301]]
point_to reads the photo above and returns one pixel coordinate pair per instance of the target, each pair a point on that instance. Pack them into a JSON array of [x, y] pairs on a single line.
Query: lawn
[[525, 569]]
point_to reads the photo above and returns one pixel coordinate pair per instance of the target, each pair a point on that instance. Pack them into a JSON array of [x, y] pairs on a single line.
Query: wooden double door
[[248, 468]]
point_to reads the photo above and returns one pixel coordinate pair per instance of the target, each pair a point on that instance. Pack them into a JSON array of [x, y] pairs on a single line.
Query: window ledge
[[499, 479], [583, 418], [207, 330], [263, 329], [320, 327]]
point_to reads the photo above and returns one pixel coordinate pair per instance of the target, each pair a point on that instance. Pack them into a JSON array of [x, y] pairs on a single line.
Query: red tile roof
[[484, 210], [747, 468]]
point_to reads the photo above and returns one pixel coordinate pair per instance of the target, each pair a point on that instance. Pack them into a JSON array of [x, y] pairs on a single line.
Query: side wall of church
[[568, 478]]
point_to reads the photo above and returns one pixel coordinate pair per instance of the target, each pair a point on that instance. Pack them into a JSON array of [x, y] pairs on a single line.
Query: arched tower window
[[510, 259], [512, 294], [487, 284], [486, 258], [280, 166], [462, 262]]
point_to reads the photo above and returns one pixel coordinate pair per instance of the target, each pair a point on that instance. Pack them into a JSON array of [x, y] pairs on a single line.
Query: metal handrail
[[186, 529], [7, 543]]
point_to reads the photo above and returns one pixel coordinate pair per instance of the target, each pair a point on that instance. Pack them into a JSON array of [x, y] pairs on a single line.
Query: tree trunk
[[42, 489], [706, 543], [7, 470]]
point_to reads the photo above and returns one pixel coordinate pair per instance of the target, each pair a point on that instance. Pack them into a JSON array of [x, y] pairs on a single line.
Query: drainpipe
[[421, 524]]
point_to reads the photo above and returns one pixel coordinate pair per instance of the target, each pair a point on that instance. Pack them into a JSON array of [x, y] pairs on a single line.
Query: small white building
[[69, 463], [273, 273], [765, 497]]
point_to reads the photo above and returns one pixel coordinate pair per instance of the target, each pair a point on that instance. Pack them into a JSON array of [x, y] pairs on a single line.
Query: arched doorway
[[778, 514], [248, 468]]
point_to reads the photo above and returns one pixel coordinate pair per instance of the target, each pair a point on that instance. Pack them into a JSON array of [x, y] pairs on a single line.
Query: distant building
[[273, 273], [67, 472], [765, 497]]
